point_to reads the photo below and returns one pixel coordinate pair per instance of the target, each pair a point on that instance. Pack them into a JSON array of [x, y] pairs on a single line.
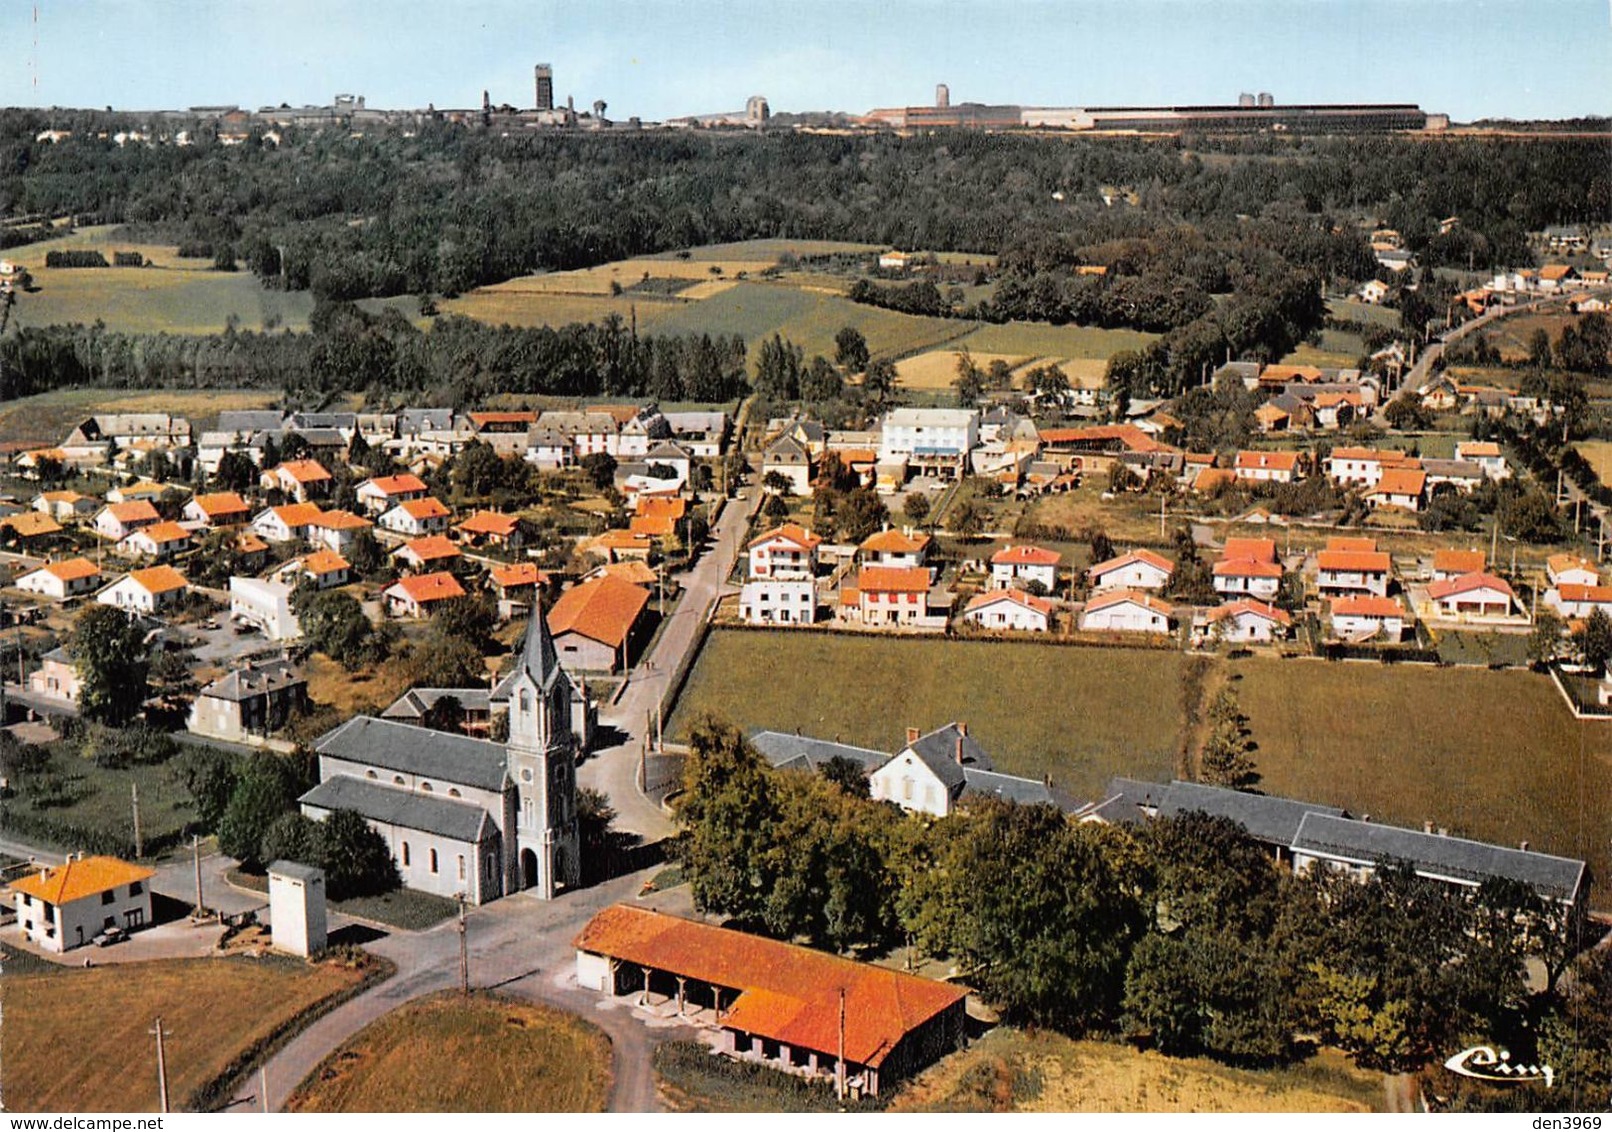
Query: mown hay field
[[448, 1053], [1040, 339], [937, 369], [1011, 1070], [78, 1040], [1599, 455]]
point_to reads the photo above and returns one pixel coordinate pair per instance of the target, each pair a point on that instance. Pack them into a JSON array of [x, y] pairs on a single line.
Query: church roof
[[538, 658], [428, 813], [415, 751]]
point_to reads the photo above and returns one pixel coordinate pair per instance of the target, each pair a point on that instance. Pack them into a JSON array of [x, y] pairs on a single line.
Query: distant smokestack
[[943, 96], [1427, 827], [962, 725]]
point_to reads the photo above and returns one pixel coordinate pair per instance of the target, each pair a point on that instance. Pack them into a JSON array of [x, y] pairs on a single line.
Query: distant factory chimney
[[1246, 101], [486, 102], [1266, 101], [543, 73], [943, 96]]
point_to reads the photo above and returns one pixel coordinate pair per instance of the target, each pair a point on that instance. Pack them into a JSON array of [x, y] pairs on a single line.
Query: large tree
[[267, 788], [727, 812], [109, 654]]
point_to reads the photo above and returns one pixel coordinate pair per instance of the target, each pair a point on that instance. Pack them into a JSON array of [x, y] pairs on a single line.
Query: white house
[[1487, 455], [218, 509], [418, 594], [1127, 611], [937, 441], [929, 774], [789, 458], [1366, 615], [61, 580], [56, 677], [1374, 291], [117, 521], [1399, 487], [789, 551], [158, 542], [1268, 467], [145, 591], [265, 604], [1136, 570], [1571, 570], [896, 549], [326, 568], [417, 517], [1576, 601], [1010, 609], [1013, 567], [254, 699], [1363, 467], [299, 479], [1249, 620], [65, 505], [336, 531], [1349, 566], [292, 522], [68, 906], [1452, 562], [778, 601], [1248, 567], [1473, 597], [381, 493]]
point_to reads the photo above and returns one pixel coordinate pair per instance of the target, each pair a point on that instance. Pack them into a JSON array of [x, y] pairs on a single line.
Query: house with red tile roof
[[1014, 567], [1404, 488], [61, 580], [1134, 570], [1363, 616], [1127, 611], [788, 552], [491, 528], [1474, 597], [1270, 467], [381, 493], [599, 625], [793, 1008], [418, 594], [417, 517], [65, 907], [1248, 620], [1247, 567], [218, 509], [895, 549], [300, 480], [1352, 566], [1009, 609], [146, 591], [158, 542], [889, 596], [118, 521], [433, 552], [1452, 563]]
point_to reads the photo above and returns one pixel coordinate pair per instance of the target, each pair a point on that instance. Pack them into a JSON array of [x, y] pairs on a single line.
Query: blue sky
[[662, 58]]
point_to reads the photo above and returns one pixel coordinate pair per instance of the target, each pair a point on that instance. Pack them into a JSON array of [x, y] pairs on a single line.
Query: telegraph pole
[[195, 854], [839, 1067], [139, 843], [162, 1065], [464, 953]]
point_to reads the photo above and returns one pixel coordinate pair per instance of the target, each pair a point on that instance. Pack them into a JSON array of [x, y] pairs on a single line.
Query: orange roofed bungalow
[[802, 1011]]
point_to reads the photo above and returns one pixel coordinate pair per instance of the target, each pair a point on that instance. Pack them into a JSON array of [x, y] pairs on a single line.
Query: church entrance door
[[528, 869]]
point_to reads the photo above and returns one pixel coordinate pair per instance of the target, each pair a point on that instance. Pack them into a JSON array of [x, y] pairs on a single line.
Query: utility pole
[[263, 1088], [195, 854], [139, 843], [464, 952], [839, 1066], [162, 1065]]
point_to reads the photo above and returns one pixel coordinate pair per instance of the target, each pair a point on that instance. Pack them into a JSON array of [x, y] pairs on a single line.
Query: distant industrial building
[[543, 75]]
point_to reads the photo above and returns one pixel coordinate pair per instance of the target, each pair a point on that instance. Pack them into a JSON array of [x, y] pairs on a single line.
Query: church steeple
[[538, 658]]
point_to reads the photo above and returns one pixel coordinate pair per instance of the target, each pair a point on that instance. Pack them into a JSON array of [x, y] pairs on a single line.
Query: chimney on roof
[[1427, 826], [959, 748], [1523, 845], [1442, 832], [912, 736], [962, 725]]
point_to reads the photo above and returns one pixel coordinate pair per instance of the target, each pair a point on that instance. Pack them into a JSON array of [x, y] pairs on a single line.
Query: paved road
[[520, 946], [615, 769]]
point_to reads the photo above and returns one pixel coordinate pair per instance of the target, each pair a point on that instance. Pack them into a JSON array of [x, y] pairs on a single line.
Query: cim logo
[[1484, 1064]]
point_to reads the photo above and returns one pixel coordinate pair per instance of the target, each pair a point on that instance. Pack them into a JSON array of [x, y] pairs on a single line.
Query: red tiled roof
[[158, 579], [893, 541], [31, 524], [893, 579], [160, 533], [604, 610], [136, 511], [1129, 436], [1363, 545], [788, 994], [396, 485], [1025, 556], [1576, 592], [1134, 597], [72, 569], [325, 562], [80, 878], [427, 508], [490, 523], [1274, 461], [341, 521], [790, 532], [1367, 605], [431, 548], [1246, 568], [298, 514], [1017, 597], [1250, 605], [1158, 561], [1354, 561], [1259, 549], [304, 471], [221, 503], [517, 574], [1449, 587], [423, 588], [1400, 481], [1459, 561]]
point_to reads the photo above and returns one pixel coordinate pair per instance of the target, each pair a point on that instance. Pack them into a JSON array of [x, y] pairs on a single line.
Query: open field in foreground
[[1599, 454], [1490, 755], [76, 1040], [1010, 1070], [451, 1054]]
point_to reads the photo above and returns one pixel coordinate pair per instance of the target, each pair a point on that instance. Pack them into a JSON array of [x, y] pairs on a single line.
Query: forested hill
[[450, 209]]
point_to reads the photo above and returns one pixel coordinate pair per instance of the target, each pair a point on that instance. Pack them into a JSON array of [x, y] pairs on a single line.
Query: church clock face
[[526, 774]]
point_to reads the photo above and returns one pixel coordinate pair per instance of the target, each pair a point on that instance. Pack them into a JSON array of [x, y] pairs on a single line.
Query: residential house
[[159, 542], [290, 522], [1018, 567], [1473, 597], [474, 714], [1576, 601], [778, 601], [1374, 291], [504, 432], [1127, 611], [1404, 488], [890, 595], [1135, 570], [61, 580], [218, 509], [1453, 563], [1269, 467], [1362, 616], [326, 569], [1248, 567], [1335, 409], [933, 441], [1270, 418], [1487, 455], [658, 515], [264, 605], [1364, 467], [1352, 566], [255, 699], [670, 454], [789, 458], [381, 493], [492, 529], [152, 431], [640, 434], [600, 625], [336, 531], [1009, 609], [151, 590], [786, 552], [144, 491], [300, 480], [515, 587], [1249, 620], [28, 528], [65, 907], [903, 549], [117, 521], [419, 594], [1571, 570], [56, 678], [251, 552], [66, 506], [417, 517], [549, 449], [1462, 475], [433, 552], [620, 546], [704, 434], [929, 774]]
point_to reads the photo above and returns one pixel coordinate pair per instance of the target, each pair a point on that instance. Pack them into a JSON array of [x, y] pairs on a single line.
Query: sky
[[664, 58]]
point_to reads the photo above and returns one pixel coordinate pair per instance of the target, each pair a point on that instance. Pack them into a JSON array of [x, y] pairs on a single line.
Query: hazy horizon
[[660, 59]]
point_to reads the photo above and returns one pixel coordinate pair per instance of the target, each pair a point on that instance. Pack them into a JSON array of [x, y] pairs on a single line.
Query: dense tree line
[[447, 209], [1182, 934]]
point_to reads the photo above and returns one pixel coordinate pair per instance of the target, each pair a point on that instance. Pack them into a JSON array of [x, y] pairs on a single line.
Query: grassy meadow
[[452, 1054], [1599, 455], [212, 1009]]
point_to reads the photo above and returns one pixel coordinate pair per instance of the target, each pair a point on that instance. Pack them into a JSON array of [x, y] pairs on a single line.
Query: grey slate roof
[[411, 421], [428, 813], [801, 752], [1453, 858], [683, 424], [415, 702], [1275, 821], [938, 751], [307, 874], [249, 420], [416, 751], [1011, 788], [1452, 469], [786, 450], [302, 422], [253, 680]]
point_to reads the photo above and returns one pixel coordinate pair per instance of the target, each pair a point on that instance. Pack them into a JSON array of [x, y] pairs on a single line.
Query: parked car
[[110, 936]]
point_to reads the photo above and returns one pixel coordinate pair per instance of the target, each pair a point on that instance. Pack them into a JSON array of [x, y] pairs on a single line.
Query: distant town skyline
[[659, 59]]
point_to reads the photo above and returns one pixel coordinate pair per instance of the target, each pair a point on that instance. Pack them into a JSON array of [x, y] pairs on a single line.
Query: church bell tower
[[541, 754]]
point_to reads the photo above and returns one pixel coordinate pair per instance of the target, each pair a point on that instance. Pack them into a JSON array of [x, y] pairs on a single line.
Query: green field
[[1353, 310], [1079, 714], [1491, 755], [1599, 455], [1039, 339], [773, 249]]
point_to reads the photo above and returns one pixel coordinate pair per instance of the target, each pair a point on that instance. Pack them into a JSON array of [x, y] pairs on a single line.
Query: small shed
[[297, 908]]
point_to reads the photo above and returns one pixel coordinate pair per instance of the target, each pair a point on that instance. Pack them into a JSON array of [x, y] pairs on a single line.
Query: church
[[467, 816]]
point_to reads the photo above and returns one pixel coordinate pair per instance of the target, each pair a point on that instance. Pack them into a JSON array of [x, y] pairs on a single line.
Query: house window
[[425, 787], [405, 854], [453, 792], [369, 774], [136, 888], [433, 860], [107, 897], [461, 866], [397, 780]]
